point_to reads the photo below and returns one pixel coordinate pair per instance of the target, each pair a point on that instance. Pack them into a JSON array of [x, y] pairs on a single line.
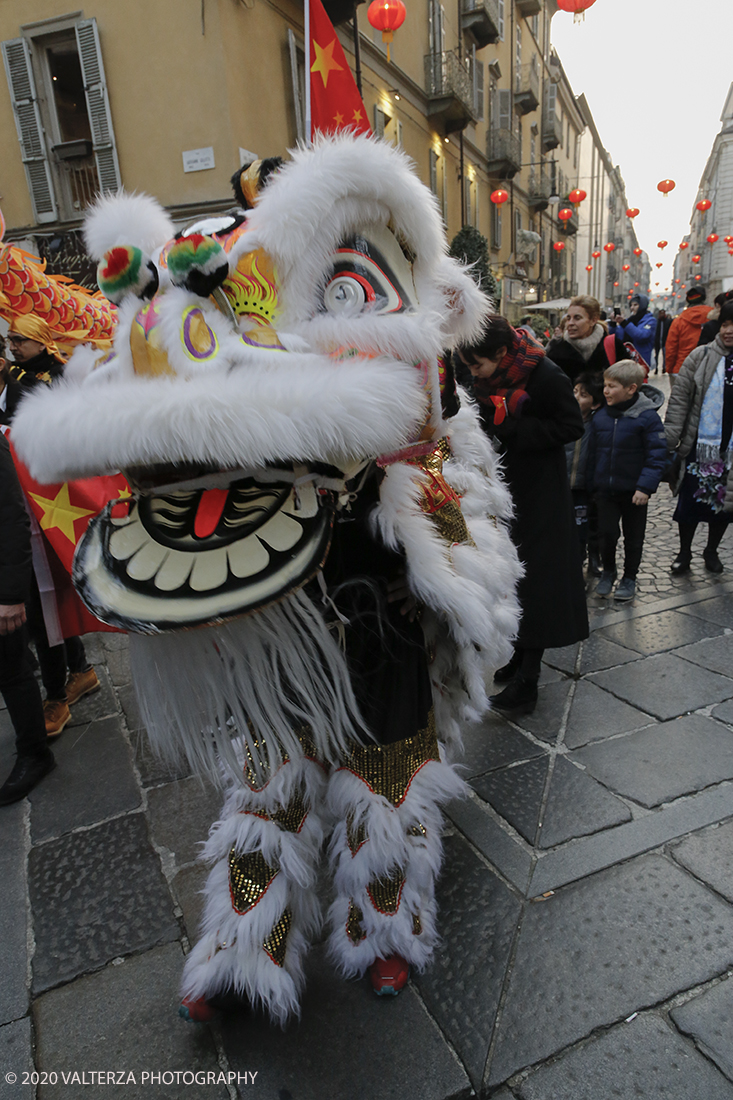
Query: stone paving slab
[[348, 1043], [493, 744], [603, 948], [709, 855], [663, 762], [546, 720], [477, 920], [94, 780], [715, 654], [16, 1057], [495, 844], [665, 686], [658, 633], [100, 704], [709, 1020], [576, 804], [187, 886], [724, 713], [96, 894], [13, 916], [596, 714], [598, 653], [717, 610], [125, 1017], [181, 815], [644, 1058]]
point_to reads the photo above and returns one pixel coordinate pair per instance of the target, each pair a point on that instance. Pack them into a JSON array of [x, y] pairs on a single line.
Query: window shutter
[[505, 109], [100, 117], [477, 72], [17, 58], [379, 121]]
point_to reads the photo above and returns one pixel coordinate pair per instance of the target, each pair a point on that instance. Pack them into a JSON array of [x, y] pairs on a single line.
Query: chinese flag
[[63, 513], [335, 100]]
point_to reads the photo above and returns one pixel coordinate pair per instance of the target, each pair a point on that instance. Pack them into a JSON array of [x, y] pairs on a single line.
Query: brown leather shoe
[[81, 683], [57, 715]]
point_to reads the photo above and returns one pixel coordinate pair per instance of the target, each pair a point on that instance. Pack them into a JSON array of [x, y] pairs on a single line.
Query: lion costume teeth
[[283, 432]]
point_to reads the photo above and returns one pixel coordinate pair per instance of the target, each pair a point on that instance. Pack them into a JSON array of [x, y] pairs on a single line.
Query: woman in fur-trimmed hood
[[699, 428], [300, 497]]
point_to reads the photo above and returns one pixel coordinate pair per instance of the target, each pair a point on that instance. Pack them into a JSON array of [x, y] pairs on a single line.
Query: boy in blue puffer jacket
[[627, 455]]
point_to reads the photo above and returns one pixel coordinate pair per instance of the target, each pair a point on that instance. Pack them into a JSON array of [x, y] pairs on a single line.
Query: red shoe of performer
[[196, 1012], [389, 976]]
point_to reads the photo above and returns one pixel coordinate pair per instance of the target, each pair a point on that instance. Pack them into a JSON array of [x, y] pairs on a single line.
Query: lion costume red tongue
[[209, 512]]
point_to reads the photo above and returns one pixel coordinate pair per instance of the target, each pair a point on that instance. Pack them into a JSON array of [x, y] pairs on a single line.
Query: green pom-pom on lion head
[[198, 263]]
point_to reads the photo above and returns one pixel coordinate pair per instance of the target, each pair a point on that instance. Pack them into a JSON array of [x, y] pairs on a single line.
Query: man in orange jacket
[[685, 330]]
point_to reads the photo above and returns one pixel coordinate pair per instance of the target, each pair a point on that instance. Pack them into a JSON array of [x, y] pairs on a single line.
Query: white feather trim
[[126, 219], [299, 407]]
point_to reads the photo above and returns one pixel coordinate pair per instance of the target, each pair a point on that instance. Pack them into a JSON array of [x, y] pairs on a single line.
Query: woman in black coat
[[529, 411], [582, 346]]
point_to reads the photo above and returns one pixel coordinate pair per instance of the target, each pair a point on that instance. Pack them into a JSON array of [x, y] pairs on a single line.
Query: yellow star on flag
[[324, 62], [61, 513], [338, 118], [357, 115]]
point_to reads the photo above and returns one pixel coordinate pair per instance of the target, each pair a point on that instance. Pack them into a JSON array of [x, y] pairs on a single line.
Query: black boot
[[681, 563], [28, 771], [594, 564], [519, 697], [506, 673], [713, 564]]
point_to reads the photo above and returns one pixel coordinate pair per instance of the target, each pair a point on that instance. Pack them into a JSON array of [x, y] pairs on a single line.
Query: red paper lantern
[[576, 196], [696, 258], [660, 265], [728, 239], [577, 7], [684, 245], [559, 246], [499, 197], [712, 238], [589, 267], [615, 284], [595, 254], [676, 280], [625, 267], [632, 212], [662, 244], [609, 247], [703, 205], [636, 284], [665, 186], [387, 16], [565, 214], [683, 286], [698, 276], [730, 251], [638, 251]]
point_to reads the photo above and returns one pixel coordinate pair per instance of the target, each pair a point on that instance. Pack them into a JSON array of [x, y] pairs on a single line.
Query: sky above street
[[656, 74]]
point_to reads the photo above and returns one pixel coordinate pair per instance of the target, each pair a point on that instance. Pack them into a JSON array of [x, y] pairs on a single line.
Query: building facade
[[172, 98]]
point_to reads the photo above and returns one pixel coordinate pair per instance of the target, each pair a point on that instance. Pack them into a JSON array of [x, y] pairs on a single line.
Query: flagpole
[[307, 72]]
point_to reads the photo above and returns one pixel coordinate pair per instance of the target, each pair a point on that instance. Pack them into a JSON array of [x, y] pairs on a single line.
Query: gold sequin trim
[[276, 943], [438, 499], [416, 924], [354, 928], [250, 774], [417, 830], [290, 818], [385, 893], [390, 769], [451, 524], [249, 878], [355, 837]]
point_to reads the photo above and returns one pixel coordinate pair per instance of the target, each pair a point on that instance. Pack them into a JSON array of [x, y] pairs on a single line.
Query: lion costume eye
[[370, 273], [346, 294]]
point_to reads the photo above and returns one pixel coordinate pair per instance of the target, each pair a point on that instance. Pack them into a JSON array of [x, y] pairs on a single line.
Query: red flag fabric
[[63, 513], [335, 100]]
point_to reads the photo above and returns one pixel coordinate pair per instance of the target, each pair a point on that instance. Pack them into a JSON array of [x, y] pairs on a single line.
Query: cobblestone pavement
[[586, 902]]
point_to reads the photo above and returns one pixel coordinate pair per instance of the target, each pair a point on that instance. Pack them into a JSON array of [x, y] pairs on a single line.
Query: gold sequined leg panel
[[250, 772], [291, 818], [390, 769], [354, 928], [276, 943], [438, 499], [249, 879], [385, 894]]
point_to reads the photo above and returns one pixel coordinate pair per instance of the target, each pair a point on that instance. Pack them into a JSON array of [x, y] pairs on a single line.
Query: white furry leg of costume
[[386, 851], [261, 910]]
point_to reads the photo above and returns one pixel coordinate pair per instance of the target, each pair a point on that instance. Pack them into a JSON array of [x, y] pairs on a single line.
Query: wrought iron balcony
[[539, 189], [480, 18], [527, 88], [551, 132], [504, 154], [450, 91], [529, 7]]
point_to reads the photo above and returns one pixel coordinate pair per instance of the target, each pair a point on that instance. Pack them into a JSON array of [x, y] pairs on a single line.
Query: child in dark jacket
[[588, 391], [627, 455]]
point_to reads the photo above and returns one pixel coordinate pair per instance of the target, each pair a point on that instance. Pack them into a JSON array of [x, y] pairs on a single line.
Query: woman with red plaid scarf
[[529, 411]]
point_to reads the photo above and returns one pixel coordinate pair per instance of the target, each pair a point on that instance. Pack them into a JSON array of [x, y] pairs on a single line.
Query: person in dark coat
[[11, 390], [639, 328], [529, 411], [711, 328], [660, 337], [583, 344], [17, 682]]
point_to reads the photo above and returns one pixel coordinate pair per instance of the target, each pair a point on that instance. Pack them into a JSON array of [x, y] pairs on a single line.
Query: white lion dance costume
[[273, 396]]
